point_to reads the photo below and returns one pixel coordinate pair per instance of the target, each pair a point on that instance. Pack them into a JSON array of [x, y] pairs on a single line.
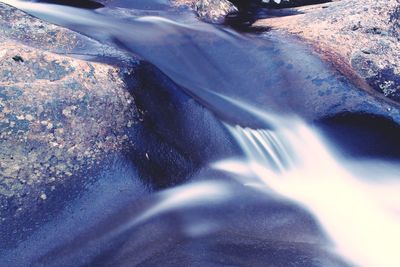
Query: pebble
[[29, 117]]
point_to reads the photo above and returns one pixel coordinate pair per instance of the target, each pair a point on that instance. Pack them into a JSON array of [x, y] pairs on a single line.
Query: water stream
[[290, 198]]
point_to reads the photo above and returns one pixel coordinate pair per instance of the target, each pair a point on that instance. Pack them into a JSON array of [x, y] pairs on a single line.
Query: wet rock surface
[[64, 120], [60, 117], [68, 124], [23, 29], [359, 35], [213, 11]]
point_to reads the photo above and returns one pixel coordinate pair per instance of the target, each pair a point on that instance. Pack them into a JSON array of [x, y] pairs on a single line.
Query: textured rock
[[209, 10], [360, 35], [59, 116], [215, 11], [16, 25]]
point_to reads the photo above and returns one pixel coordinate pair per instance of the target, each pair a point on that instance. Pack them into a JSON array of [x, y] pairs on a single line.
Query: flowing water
[[288, 198]]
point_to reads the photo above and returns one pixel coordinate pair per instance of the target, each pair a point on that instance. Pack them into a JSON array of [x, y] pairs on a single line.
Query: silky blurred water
[[289, 199]]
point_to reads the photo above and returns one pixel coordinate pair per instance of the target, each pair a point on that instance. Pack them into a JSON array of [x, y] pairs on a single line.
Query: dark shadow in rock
[[293, 3], [177, 135], [240, 21], [251, 11], [87, 4], [243, 23], [363, 135], [256, 29]]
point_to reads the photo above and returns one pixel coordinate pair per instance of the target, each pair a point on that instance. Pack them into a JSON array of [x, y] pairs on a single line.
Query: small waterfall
[[262, 146], [295, 163]]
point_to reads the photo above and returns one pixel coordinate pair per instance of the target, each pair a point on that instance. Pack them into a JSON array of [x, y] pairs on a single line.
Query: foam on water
[[359, 215]]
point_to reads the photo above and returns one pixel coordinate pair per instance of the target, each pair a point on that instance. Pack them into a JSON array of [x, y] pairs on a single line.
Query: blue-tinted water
[[252, 185]]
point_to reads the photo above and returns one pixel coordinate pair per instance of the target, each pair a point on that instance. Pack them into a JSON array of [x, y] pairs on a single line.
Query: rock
[[213, 11], [395, 21], [59, 116], [351, 34], [360, 36], [27, 30], [66, 123]]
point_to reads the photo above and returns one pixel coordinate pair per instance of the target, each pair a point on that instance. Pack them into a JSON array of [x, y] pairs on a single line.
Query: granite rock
[[59, 116]]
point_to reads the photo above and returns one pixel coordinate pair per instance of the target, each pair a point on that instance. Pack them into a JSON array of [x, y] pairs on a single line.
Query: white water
[[359, 215]]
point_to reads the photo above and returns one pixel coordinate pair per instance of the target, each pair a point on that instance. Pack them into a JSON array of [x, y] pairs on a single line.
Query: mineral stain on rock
[[18, 59]]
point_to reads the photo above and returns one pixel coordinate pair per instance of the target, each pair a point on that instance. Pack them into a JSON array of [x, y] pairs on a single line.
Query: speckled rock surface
[[361, 35], [209, 10], [16, 25], [59, 116]]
